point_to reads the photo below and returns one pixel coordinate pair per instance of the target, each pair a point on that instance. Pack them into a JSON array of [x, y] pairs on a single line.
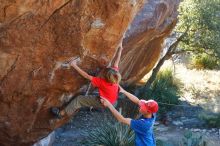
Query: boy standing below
[[143, 127]]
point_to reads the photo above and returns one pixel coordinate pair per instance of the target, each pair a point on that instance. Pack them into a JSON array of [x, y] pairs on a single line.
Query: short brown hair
[[112, 76]]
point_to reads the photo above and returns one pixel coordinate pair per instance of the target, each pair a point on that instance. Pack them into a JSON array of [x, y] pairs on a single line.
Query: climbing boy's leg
[[76, 104], [82, 101]]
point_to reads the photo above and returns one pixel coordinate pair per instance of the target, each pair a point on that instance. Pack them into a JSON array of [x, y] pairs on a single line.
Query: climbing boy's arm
[[118, 56], [80, 71], [115, 113], [129, 95]]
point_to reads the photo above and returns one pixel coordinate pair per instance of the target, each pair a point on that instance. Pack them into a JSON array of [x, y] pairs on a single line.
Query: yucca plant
[[110, 134]]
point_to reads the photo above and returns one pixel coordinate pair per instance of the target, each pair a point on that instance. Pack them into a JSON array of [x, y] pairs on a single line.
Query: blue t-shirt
[[143, 128]]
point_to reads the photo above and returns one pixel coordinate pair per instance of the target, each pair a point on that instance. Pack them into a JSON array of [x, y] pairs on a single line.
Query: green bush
[[211, 120], [111, 134], [165, 89], [204, 61], [192, 139]]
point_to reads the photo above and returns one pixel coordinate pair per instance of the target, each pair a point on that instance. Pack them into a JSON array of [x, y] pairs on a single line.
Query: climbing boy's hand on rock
[[73, 62]]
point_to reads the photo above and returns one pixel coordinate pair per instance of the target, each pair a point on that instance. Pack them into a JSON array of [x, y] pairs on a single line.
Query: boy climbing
[[143, 127], [107, 86]]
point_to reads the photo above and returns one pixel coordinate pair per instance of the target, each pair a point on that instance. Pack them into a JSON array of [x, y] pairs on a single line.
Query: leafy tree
[[202, 19], [198, 31]]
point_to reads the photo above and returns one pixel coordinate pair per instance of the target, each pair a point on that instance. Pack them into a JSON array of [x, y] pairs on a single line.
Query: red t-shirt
[[106, 89]]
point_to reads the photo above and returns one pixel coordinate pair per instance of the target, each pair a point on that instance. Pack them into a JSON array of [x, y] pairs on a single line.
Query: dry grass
[[200, 86]]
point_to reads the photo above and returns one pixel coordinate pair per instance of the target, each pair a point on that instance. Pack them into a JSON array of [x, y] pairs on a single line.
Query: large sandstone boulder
[[37, 37], [145, 38]]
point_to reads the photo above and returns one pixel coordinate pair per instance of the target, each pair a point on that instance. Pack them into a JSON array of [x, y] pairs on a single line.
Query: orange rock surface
[[37, 37]]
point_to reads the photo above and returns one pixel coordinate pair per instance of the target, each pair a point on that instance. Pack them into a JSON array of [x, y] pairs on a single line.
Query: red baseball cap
[[150, 106]]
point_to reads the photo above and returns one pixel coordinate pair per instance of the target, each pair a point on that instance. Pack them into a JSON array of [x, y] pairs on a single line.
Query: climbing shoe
[[56, 112]]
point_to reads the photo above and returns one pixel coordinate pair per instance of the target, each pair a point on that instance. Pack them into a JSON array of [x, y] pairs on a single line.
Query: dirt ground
[[73, 133]]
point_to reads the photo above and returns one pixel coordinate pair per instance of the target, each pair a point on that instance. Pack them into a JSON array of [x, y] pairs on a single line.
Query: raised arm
[[115, 113], [80, 71], [118, 56], [129, 95]]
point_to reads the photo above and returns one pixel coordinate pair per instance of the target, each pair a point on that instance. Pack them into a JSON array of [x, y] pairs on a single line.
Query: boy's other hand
[[105, 102]]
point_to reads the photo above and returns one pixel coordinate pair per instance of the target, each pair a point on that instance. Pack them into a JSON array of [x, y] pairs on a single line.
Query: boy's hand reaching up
[[121, 45], [117, 115], [105, 102]]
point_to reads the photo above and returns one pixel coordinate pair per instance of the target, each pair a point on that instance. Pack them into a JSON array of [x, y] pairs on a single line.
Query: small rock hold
[[156, 123], [162, 128], [177, 123], [196, 130], [97, 24], [7, 124]]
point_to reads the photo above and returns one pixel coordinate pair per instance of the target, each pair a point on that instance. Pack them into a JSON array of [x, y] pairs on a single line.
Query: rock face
[[145, 38], [37, 37]]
